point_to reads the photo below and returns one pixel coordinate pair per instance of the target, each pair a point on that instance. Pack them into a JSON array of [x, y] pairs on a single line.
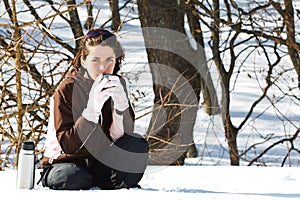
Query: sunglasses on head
[[96, 33]]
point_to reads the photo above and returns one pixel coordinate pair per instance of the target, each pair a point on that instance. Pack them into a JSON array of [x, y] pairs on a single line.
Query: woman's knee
[[68, 176], [143, 145], [133, 143]]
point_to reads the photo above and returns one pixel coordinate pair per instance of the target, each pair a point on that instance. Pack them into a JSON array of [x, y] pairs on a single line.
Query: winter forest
[[212, 82]]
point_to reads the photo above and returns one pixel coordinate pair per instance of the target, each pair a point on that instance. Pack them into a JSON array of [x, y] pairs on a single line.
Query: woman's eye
[[109, 59]]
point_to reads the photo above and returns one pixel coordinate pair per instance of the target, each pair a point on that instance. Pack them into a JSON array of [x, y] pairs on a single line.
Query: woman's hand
[[115, 89], [96, 100]]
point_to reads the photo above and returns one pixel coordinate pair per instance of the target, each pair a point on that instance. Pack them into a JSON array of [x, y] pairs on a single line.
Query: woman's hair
[[96, 37]]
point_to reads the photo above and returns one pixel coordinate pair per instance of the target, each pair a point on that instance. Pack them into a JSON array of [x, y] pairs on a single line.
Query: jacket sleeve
[[52, 147], [73, 135]]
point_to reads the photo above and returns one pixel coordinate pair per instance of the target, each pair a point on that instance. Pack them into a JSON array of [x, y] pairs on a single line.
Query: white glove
[[96, 100], [115, 89]]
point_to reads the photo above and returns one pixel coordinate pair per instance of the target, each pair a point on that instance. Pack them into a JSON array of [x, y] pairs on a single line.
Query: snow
[[208, 176], [185, 183]]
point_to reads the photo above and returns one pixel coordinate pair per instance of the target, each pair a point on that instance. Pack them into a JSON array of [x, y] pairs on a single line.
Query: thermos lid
[[28, 145]]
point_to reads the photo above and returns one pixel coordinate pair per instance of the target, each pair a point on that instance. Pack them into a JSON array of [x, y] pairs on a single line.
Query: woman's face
[[100, 60]]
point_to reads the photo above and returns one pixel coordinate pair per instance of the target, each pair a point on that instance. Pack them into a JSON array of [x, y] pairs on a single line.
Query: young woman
[[90, 140]]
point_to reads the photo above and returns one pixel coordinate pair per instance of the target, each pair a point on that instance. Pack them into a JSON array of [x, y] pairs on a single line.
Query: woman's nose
[[102, 66]]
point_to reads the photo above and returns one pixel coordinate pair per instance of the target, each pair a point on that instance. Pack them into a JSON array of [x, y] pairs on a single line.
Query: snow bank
[[185, 182]]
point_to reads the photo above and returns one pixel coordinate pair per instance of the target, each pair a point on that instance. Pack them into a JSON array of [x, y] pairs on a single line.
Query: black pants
[[121, 166]]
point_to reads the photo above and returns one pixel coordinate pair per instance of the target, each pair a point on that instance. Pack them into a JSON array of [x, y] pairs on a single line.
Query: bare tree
[[115, 18], [17, 39], [35, 55], [176, 70], [250, 19], [210, 99], [90, 19], [288, 16], [34, 59], [38, 41], [25, 93]]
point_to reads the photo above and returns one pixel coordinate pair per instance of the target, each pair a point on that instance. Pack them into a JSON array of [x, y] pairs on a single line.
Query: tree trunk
[[231, 137], [176, 80], [90, 19], [289, 20], [75, 22], [115, 18], [231, 132], [17, 39], [210, 99]]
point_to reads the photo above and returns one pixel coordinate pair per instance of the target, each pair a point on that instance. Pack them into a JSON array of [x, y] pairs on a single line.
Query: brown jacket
[[72, 130]]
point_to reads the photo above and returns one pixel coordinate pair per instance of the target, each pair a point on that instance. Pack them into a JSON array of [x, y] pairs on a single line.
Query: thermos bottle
[[26, 169]]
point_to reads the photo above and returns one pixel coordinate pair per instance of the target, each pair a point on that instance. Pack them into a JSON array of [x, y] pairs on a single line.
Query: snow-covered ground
[[200, 178], [186, 183]]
